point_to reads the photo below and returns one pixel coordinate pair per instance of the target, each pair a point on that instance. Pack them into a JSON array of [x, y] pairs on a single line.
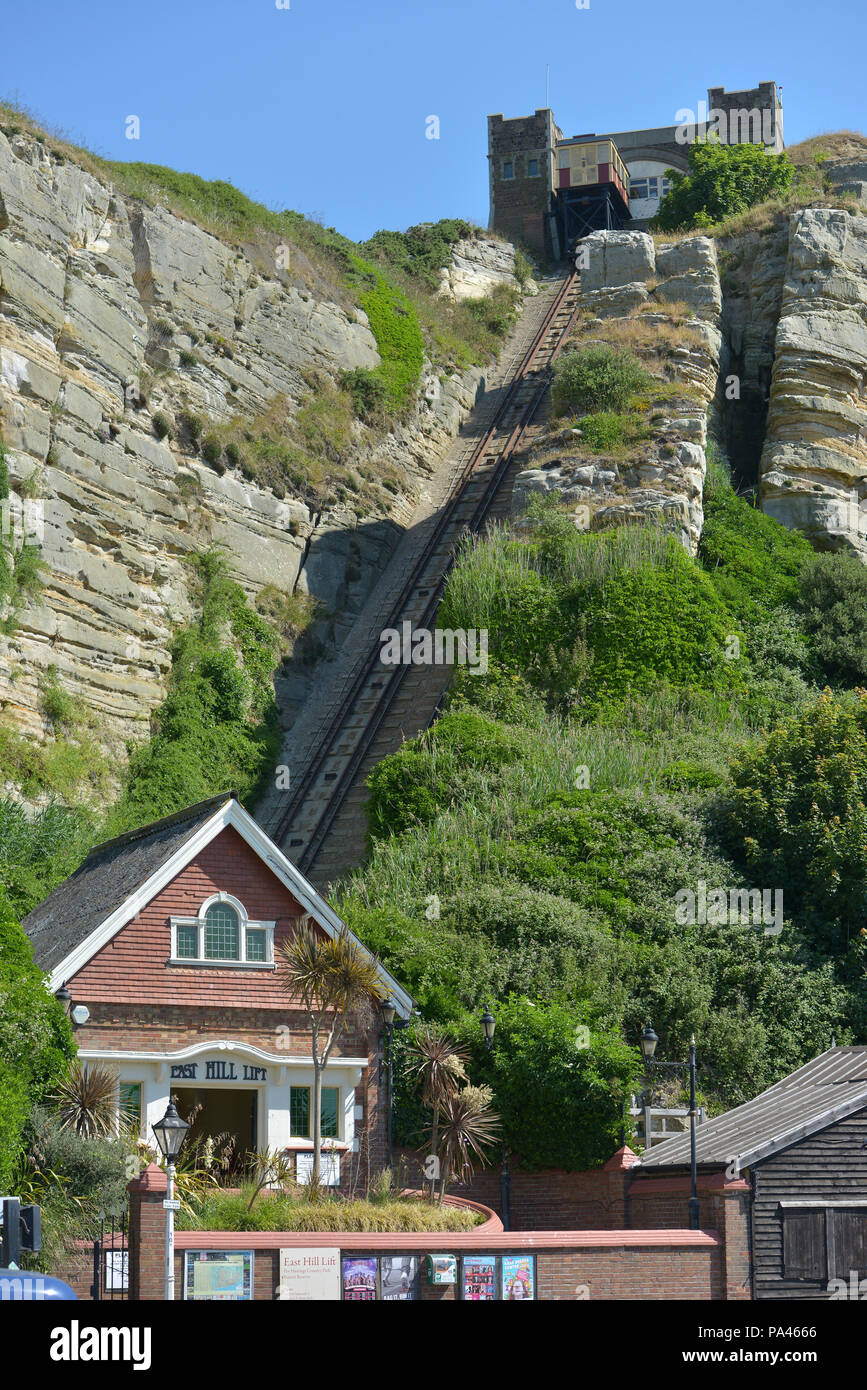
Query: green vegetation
[[597, 379], [396, 329], [225, 1211], [35, 1039], [527, 850], [833, 601], [723, 180], [797, 815], [420, 251]]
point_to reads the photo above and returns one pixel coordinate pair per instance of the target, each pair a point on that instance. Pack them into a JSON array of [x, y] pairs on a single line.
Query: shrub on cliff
[[597, 378], [753, 562], [722, 180], [833, 601], [797, 816]]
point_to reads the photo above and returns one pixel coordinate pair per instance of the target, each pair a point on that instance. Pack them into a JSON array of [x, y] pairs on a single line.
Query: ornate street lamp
[[170, 1131], [649, 1039], [489, 1023]]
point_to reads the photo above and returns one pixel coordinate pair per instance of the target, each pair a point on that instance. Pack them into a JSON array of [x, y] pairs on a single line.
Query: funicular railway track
[[321, 827]]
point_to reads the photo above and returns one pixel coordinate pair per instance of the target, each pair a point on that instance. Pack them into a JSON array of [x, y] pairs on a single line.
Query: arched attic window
[[222, 932]]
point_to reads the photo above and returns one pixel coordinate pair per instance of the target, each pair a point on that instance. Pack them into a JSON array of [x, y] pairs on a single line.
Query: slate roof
[[109, 875], [827, 1089]]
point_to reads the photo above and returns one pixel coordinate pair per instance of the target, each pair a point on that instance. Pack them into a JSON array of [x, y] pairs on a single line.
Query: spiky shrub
[[86, 1100], [469, 1129], [437, 1065]]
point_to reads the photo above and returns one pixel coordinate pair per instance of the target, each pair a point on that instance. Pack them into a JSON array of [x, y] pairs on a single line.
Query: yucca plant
[[330, 977], [438, 1065], [469, 1129], [86, 1100]]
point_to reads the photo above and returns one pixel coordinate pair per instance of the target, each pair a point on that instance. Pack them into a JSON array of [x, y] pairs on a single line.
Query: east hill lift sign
[[217, 1071]]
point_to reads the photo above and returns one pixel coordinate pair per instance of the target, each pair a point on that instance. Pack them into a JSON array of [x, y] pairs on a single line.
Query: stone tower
[[521, 157]]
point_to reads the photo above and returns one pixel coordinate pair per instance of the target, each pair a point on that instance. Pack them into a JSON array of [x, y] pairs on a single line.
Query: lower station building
[[167, 941], [546, 189]]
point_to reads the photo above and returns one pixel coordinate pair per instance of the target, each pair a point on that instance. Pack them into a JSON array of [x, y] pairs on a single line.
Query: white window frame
[[244, 922]]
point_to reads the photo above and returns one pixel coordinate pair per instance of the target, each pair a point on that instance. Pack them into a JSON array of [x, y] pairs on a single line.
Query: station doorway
[[216, 1111]]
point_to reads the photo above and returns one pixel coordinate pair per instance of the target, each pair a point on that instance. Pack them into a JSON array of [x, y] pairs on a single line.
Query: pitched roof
[[109, 875], [818, 1094], [118, 878]]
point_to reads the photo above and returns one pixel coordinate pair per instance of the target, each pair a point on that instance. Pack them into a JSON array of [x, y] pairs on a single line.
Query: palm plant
[[439, 1066], [469, 1129], [331, 977], [86, 1100]]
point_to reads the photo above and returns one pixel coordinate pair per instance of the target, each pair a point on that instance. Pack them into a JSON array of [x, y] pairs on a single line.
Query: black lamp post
[[649, 1039], [388, 1017], [170, 1132], [489, 1024]]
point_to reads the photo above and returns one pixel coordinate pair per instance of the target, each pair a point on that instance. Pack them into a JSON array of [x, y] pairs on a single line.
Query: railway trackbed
[[321, 826]]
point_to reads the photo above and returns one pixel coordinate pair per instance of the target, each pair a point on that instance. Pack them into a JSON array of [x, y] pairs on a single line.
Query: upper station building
[[547, 189]]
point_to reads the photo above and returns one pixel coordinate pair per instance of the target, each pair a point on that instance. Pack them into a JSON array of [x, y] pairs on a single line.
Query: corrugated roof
[[818, 1094], [109, 875]]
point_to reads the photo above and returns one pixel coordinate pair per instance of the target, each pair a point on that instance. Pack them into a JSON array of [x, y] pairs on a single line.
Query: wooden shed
[[802, 1145]]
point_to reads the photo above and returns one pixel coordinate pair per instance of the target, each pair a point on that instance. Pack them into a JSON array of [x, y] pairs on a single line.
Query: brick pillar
[[147, 1234], [616, 1171], [732, 1219]]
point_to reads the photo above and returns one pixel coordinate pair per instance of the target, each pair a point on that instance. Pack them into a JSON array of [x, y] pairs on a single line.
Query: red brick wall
[[619, 1264], [132, 968]]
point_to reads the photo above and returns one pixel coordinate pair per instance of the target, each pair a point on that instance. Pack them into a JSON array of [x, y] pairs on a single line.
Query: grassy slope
[[553, 823]]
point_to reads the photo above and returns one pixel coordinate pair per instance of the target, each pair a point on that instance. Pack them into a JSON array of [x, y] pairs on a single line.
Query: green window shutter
[[330, 1112], [299, 1112], [222, 933]]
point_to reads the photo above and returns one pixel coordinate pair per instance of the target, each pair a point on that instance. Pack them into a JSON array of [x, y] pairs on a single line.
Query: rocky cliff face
[[477, 267], [663, 303], [776, 362], [814, 462], [109, 312]]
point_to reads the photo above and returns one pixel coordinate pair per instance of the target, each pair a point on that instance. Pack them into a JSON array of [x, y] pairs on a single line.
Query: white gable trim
[[233, 815]]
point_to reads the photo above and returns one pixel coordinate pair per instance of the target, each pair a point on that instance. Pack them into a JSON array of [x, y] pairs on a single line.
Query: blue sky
[[322, 107]]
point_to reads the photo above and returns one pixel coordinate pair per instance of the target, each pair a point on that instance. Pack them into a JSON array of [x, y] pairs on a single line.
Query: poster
[[359, 1280], [308, 1275], [519, 1283], [214, 1275], [398, 1276], [329, 1169], [479, 1275], [116, 1271]]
